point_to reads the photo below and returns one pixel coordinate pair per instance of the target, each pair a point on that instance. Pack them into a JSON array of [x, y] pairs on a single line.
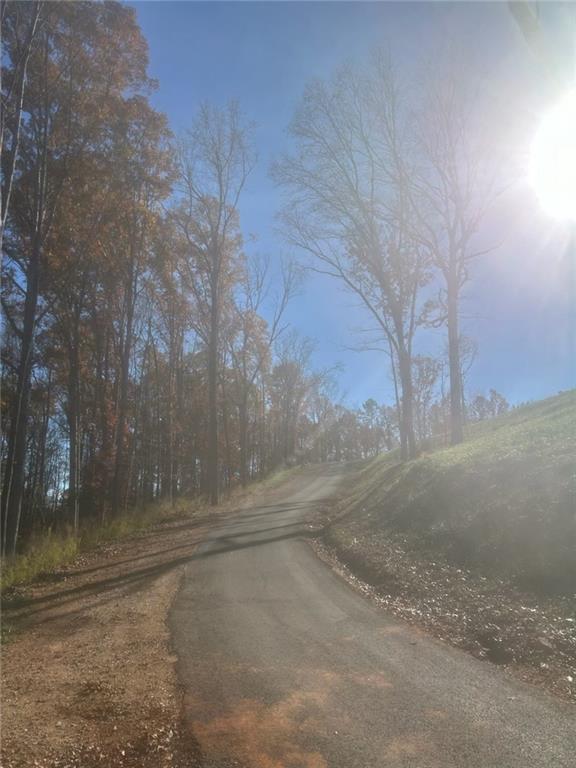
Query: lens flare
[[553, 160]]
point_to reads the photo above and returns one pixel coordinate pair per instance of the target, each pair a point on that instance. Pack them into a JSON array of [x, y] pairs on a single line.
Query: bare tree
[[349, 207], [426, 372], [291, 383], [451, 195], [215, 159], [20, 22], [251, 338]]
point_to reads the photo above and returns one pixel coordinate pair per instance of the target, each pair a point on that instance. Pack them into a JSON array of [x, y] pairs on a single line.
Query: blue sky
[[519, 304]]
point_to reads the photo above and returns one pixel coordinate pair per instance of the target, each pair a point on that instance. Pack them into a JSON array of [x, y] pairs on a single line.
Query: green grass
[[43, 555], [504, 501], [546, 429]]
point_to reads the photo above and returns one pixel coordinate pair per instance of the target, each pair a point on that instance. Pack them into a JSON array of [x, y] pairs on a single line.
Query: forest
[[146, 356]]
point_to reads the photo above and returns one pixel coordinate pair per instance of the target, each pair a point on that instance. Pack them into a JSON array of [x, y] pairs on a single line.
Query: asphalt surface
[[284, 665]]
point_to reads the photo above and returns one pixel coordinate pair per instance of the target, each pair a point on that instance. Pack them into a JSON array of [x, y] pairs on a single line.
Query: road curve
[[283, 665]]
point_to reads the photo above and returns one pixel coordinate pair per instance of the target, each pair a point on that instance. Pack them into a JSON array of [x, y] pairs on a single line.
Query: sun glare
[[553, 160]]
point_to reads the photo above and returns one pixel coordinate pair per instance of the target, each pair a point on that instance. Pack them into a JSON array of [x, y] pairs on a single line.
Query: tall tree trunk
[[213, 400], [179, 406], [41, 481], [456, 419], [73, 425], [102, 468], [173, 367], [403, 443], [228, 467], [19, 86], [243, 437], [407, 439], [159, 463], [264, 459], [13, 488], [126, 350], [170, 436]]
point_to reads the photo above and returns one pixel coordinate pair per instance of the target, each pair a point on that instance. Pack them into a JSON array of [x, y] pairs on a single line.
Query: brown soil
[[88, 675]]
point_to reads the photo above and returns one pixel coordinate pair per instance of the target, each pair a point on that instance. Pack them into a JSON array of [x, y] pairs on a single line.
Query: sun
[[553, 160]]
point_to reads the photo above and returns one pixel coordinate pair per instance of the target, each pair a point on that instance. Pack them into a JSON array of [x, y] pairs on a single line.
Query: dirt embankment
[[477, 542], [532, 635]]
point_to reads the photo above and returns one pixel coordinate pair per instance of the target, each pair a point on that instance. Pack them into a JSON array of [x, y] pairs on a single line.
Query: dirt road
[[285, 666]]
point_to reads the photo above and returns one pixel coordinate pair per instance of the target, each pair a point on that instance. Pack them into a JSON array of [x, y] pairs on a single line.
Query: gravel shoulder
[[529, 635], [88, 674]]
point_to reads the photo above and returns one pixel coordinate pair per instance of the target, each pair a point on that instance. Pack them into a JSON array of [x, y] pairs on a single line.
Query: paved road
[[285, 666]]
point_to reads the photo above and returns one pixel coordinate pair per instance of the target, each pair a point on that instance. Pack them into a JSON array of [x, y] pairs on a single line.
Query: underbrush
[[50, 550]]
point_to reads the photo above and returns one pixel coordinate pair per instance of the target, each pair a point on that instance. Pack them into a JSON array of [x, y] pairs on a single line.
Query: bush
[[50, 550]]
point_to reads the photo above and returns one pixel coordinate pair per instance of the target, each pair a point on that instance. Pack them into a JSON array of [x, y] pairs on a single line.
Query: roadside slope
[[284, 666], [478, 541]]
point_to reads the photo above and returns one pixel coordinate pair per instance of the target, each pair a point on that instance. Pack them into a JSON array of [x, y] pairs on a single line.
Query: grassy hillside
[[502, 503]]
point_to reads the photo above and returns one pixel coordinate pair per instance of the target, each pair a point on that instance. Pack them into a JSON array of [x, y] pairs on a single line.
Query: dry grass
[[50, 550]]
